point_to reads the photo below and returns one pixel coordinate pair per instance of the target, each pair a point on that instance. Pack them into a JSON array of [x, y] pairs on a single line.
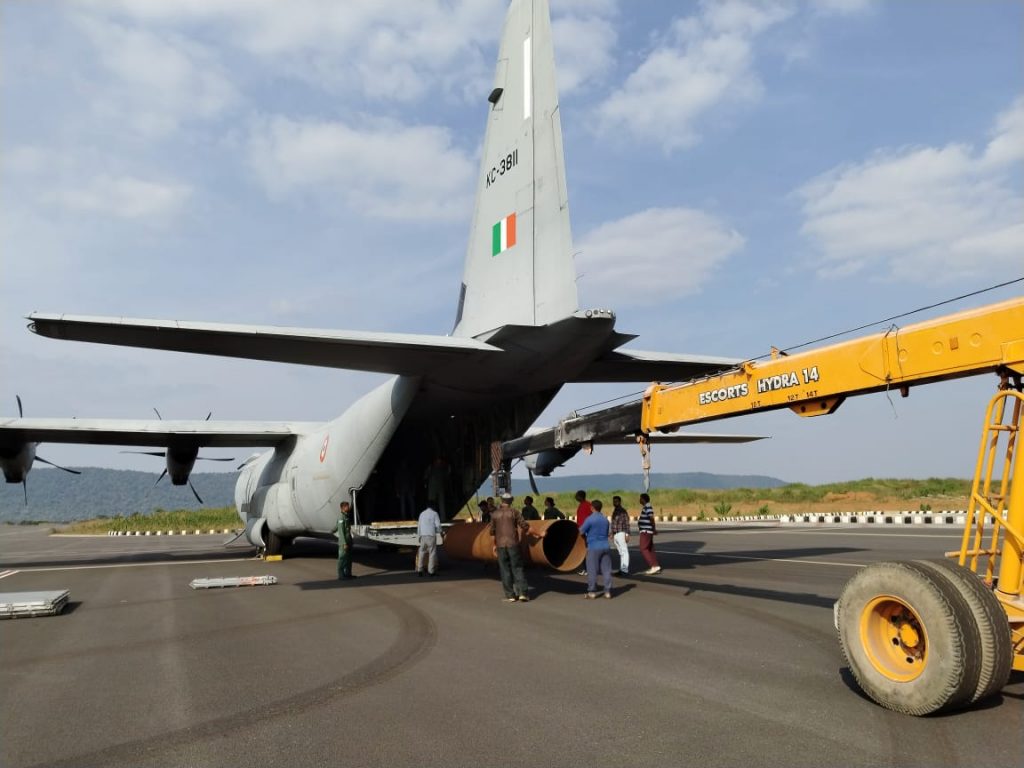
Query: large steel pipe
[[553, 543]]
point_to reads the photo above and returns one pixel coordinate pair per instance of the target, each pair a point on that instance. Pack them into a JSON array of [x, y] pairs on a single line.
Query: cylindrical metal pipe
[[553, 543]]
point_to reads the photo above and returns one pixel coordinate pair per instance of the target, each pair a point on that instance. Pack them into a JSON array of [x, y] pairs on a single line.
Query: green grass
[[870, 493], [744, 501], [162, 520]]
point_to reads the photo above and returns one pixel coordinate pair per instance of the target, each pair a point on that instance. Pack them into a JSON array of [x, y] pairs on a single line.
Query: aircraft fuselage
[[414, 439]]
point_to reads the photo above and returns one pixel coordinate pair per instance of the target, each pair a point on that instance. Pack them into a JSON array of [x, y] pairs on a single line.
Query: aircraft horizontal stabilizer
[[395, 353], [623, 365], [221, 434]]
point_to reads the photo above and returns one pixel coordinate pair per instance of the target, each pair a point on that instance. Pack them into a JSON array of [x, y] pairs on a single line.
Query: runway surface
[[727, 658]]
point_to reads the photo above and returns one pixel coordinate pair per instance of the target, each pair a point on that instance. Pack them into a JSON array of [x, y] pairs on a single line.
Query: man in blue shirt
[[599, 556]]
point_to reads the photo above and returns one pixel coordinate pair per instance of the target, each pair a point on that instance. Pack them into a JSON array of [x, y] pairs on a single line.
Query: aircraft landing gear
[[275, 544]]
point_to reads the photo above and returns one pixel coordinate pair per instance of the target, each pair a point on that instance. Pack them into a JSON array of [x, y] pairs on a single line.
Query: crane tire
[[990, 618], [909, 638]]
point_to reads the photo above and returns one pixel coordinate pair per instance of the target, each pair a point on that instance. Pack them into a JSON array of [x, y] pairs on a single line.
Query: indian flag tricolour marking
[[503, 234]]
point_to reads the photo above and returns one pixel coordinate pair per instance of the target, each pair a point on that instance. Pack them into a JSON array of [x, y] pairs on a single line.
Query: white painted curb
[[906, 517]]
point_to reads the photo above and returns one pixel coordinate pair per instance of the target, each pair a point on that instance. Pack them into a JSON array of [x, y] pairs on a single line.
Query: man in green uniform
[[345, 542]]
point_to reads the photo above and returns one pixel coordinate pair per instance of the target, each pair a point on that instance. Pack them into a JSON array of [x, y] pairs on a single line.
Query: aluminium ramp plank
[[15, 605]]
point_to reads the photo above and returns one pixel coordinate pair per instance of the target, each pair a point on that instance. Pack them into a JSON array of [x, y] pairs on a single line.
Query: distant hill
[[56, 496], [615, 482]]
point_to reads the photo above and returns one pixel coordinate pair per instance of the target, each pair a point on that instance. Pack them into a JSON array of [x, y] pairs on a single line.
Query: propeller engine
[[180, 459], [17, 458]]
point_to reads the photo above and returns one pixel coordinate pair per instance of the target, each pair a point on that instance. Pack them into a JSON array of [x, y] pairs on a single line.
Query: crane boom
[[816, 382], [812, 383]]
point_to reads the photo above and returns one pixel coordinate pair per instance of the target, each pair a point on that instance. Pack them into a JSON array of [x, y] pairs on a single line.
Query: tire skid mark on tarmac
[[417, 635], [138, 645]]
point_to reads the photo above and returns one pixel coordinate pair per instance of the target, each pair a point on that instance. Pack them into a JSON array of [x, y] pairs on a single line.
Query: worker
[[620, 533], [583, 511], [645, 524], [485, 512], [507, 528], [428, 529], [583, 508], [599, 557], [529, 512], [551, 512], [345, 542]]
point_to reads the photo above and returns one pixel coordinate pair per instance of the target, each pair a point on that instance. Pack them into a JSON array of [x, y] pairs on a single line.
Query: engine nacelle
[[546, 462], [180, 461], [256, 531], [16, 461]]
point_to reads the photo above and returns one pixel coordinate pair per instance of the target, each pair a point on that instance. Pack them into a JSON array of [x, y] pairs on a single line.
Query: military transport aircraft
[[519, 336]]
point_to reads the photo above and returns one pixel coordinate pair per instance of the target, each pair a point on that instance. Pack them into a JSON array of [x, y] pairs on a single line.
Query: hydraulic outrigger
[[919, 636]]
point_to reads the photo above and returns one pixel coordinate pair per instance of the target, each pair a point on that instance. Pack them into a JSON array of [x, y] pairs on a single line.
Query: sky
[[740, 174]]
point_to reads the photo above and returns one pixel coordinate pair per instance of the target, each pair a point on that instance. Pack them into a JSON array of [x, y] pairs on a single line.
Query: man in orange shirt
[[583, 511]]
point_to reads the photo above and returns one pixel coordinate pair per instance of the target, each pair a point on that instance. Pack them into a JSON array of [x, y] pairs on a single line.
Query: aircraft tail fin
[[519, 263]]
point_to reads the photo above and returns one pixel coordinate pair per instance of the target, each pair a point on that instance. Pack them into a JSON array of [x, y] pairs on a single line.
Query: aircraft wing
[[221, 434], [624, 366], [395, 353]]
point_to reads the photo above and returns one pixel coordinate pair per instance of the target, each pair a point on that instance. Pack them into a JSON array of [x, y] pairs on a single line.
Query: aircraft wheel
[[275, 543], [990, 618], [909, 638]]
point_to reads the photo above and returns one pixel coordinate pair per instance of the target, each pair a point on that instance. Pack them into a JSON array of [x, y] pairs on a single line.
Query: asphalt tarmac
[[727, 658]]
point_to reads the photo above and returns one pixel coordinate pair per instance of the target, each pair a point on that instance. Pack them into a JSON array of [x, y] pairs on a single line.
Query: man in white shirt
[[428, 528]]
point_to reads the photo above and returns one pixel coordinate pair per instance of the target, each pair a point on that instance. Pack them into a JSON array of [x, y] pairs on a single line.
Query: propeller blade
[[158, 414], [24, 485], [160, 478], [161, 454], [21, 414], [533, 483], [195, 493], [214, 458], [58, 466], [209, 415]]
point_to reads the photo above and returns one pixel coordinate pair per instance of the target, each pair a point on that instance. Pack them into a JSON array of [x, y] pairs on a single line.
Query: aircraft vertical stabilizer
[[519, 265]]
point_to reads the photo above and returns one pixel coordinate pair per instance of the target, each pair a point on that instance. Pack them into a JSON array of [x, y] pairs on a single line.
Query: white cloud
[[702, 62], [157, 80], [73, 183], [841, 7], [390, 171], [657, 254], [585, 39], [924, 213], [124, 197], [388, 49]]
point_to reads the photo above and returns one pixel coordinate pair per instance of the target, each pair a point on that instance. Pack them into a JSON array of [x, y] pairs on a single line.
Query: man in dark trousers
[[647, 531], [507, 527], [583, 511], [345, 542]]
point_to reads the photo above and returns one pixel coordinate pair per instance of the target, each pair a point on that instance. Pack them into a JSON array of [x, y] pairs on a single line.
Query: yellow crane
[[920, 636]]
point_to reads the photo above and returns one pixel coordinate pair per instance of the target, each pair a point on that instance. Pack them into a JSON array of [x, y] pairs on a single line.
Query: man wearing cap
[[507, 527]]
